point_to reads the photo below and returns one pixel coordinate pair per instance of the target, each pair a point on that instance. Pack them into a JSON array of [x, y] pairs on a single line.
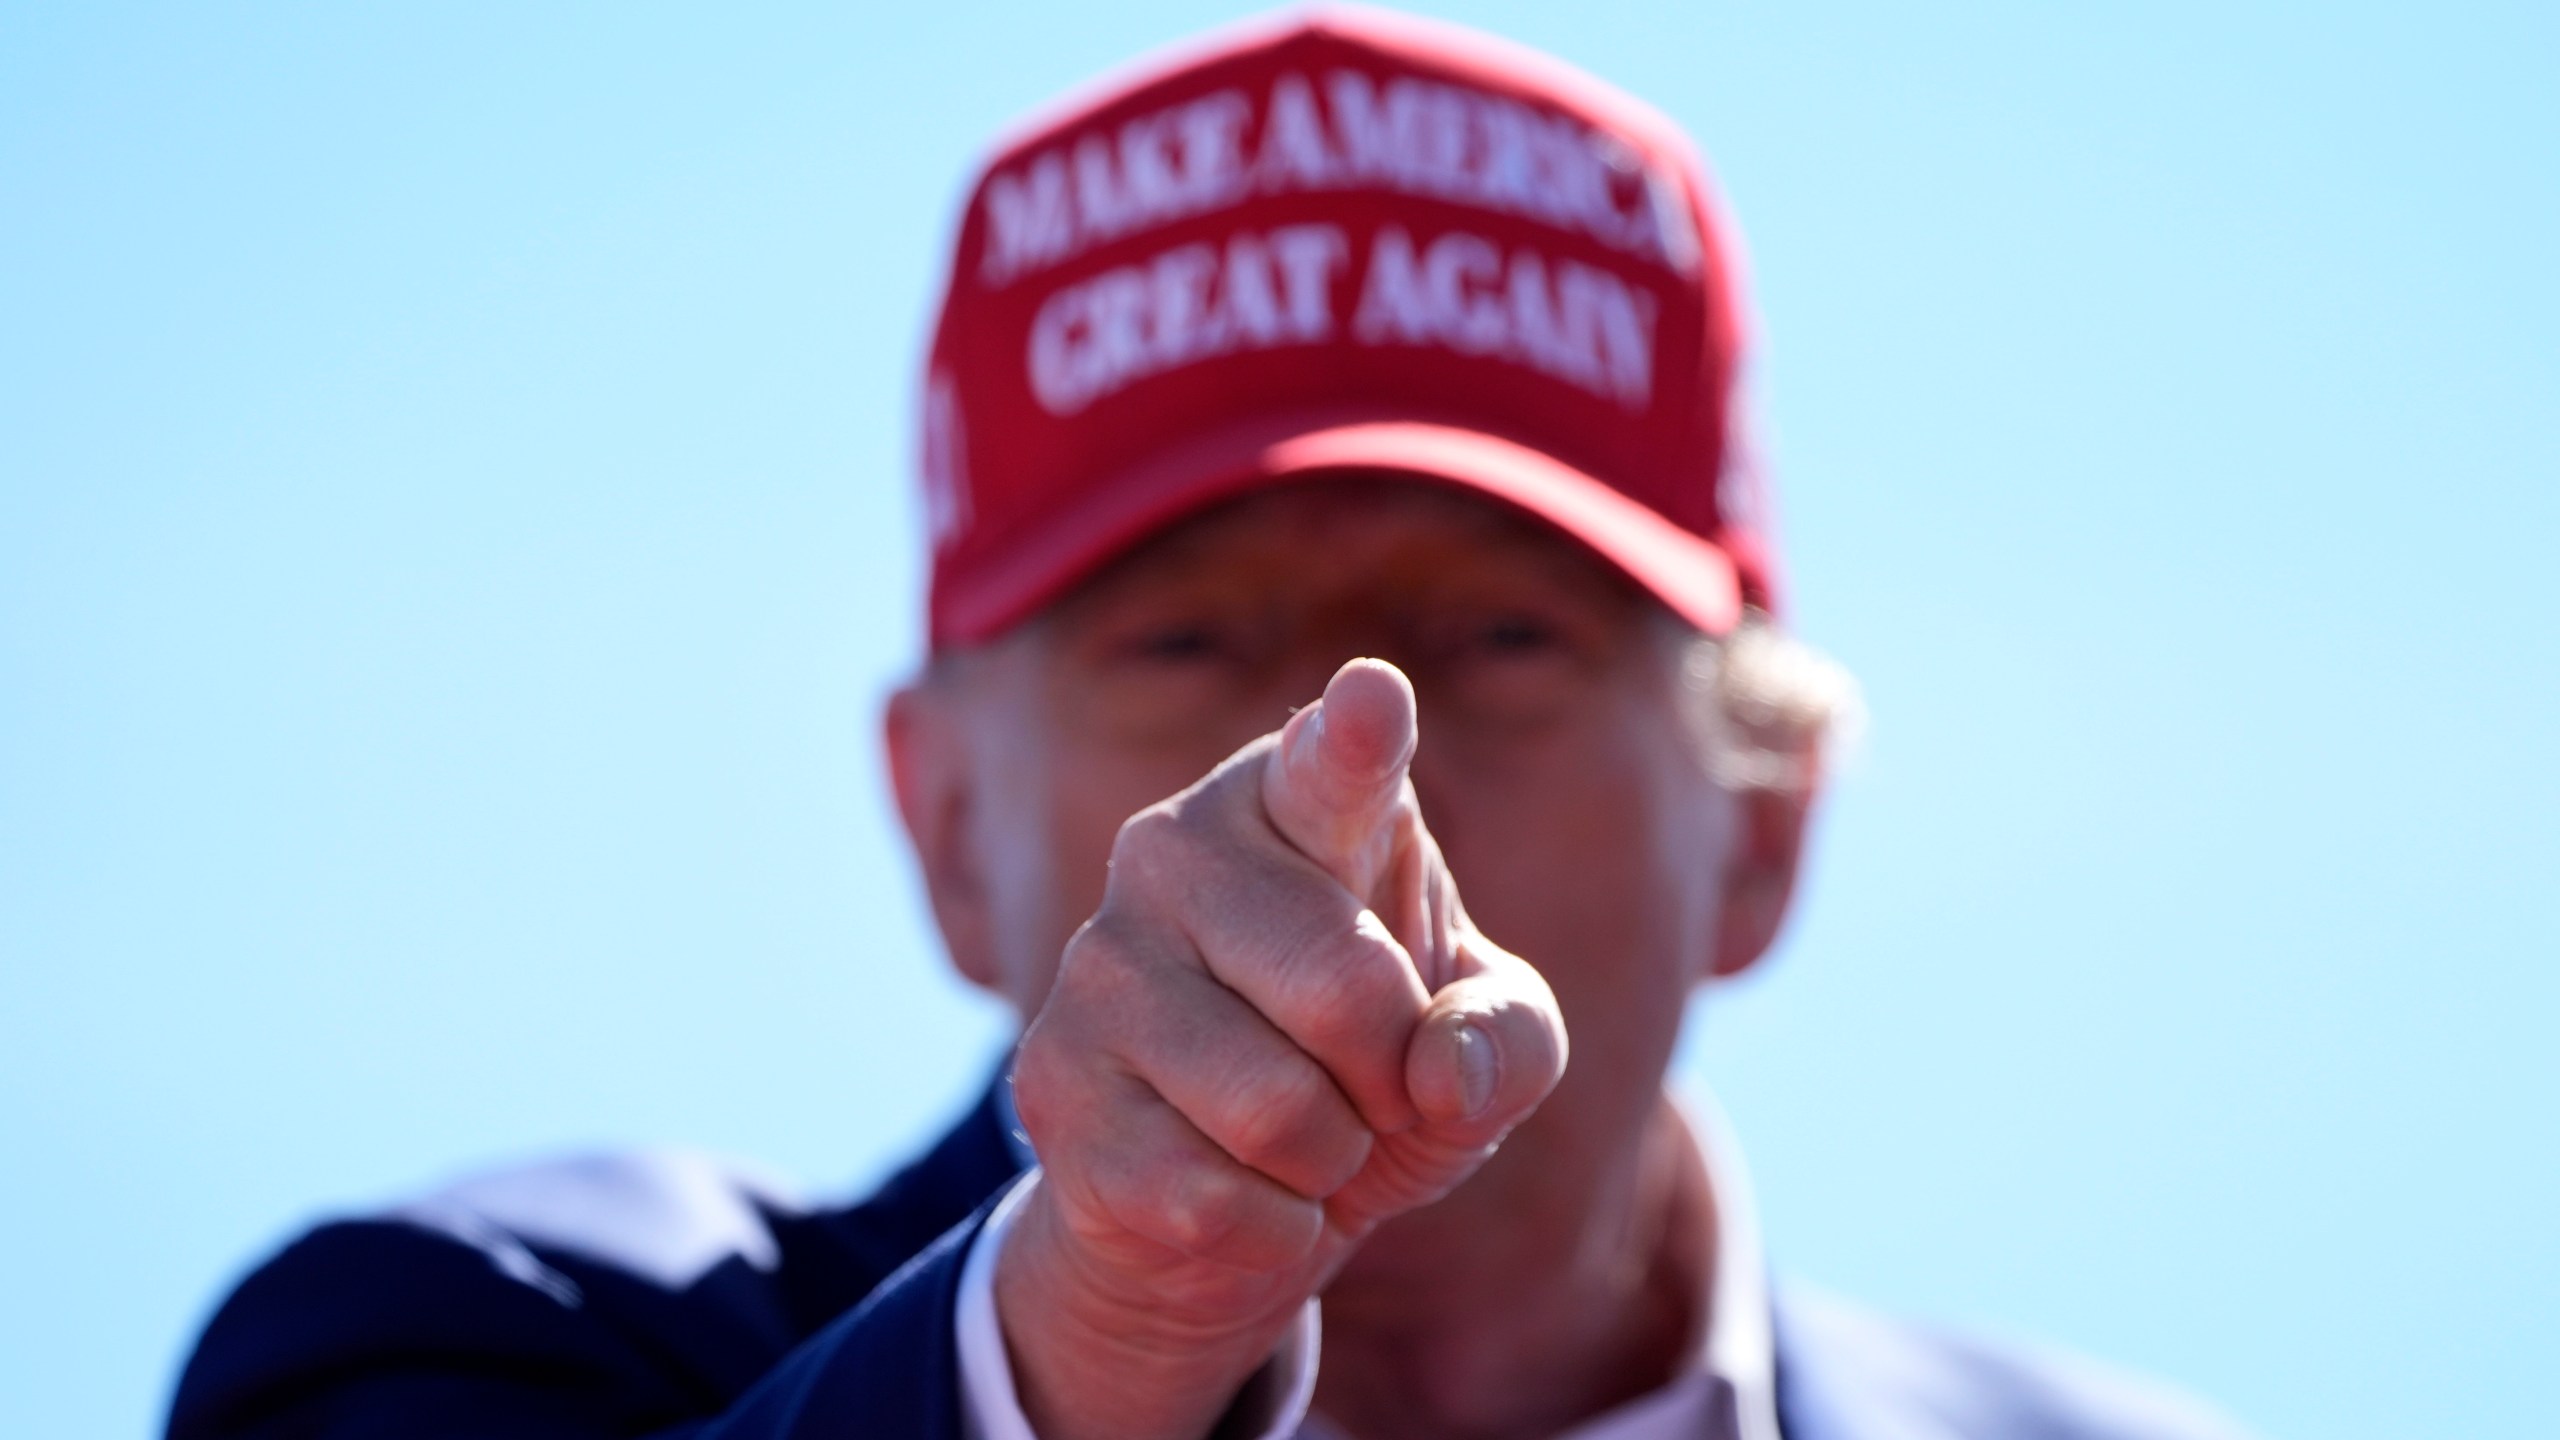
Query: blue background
[[454, 535]]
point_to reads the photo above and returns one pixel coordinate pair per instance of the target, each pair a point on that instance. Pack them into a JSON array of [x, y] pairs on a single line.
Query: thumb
[[1336, 781], [1488, 1051], [1489, 1048]]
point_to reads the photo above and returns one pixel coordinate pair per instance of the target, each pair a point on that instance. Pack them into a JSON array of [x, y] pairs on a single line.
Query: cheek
[[1065, 852], [1597, 864], [1013, 823], [1057, 794]]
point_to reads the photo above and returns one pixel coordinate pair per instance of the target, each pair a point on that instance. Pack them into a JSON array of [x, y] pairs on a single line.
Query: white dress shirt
[[1726, 1390]]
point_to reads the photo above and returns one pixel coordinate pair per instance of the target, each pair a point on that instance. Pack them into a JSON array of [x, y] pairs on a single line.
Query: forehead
[[1357, 537]]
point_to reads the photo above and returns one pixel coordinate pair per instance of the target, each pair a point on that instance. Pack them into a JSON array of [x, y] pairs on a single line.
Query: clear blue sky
[[454, 535]]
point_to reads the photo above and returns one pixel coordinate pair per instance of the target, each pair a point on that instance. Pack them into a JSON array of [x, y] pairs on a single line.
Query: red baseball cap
[[1339, 241]]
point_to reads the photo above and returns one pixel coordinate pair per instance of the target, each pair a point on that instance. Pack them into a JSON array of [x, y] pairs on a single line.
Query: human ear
[[1760, 875], [930, 770]]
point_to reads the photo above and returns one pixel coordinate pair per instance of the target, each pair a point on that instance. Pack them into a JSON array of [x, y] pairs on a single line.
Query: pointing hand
[[1279, 1030]]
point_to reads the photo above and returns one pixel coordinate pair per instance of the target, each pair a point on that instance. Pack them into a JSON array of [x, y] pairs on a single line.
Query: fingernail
[[1479, 1070], [1302, 746]]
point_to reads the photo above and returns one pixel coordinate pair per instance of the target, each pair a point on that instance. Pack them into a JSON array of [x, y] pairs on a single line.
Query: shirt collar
[[1727, 1388], [1739, 1347]]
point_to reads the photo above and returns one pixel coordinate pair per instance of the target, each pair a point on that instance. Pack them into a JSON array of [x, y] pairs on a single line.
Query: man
[[1356, 721]]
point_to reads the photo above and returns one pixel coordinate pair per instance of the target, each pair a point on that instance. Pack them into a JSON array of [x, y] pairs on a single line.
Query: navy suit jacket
[[689, 1306]]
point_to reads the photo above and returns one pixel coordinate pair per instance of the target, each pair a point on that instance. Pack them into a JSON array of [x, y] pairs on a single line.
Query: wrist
[[1100, 1353]]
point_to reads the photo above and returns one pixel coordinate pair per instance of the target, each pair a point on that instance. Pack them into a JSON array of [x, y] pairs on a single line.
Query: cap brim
[[1687, 572]]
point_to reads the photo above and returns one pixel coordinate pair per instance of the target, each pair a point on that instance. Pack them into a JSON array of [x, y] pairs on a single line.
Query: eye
[[1178, 643], [1505, 665], [1517, 635]]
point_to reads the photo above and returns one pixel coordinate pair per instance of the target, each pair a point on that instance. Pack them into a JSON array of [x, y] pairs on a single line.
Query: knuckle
[[1228, 1217], [1162, 852], [1145, 847], [1035, 1083], [1290, 1124], [1346, 982], [1112, 980], [1199, 1209], [1036, 1057], [1150, 828], [1100, 962], [1271, 1112]]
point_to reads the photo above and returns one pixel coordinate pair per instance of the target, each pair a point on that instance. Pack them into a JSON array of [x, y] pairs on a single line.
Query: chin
[[1532, 1194]]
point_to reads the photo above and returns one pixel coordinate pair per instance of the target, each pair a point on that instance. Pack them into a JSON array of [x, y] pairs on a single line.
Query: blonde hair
[[1770, 711]]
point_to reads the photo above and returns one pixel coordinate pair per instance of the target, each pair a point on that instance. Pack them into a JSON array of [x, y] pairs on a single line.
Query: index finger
[[1334, 786]]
